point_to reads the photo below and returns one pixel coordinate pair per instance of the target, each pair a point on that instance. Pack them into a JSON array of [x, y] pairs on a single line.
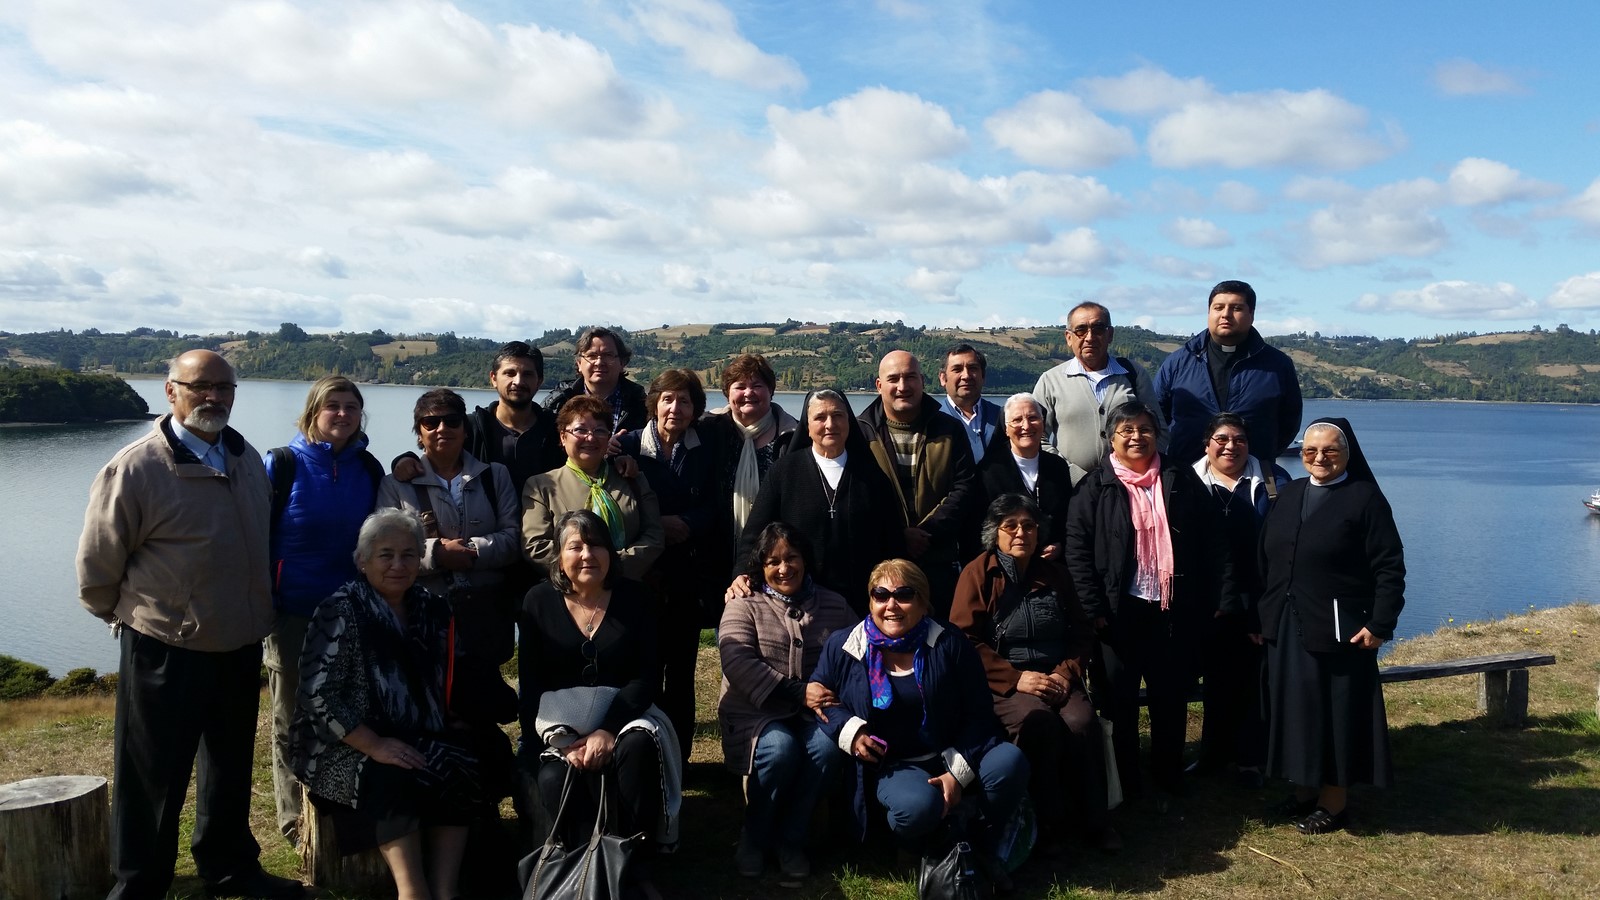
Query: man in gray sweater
[[1077, 394]]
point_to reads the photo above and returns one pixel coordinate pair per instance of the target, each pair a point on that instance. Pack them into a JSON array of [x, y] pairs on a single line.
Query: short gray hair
[[1023, 397], [387, 521]]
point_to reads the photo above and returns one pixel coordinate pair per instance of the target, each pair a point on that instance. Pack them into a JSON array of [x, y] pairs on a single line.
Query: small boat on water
[[1593, 503]]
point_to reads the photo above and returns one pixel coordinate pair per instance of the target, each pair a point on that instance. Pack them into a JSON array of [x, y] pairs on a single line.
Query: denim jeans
[[793, 760], [916, 807]]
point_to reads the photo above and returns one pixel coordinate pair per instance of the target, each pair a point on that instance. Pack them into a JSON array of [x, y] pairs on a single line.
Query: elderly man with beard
[[174, 557]]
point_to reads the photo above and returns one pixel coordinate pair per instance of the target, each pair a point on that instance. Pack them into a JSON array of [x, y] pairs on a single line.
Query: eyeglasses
[[202, 388], [905, 593], [1141, 431], [1222, 440], [587, 434], [1098, 329], [597, 358], [1023, 526], [591, 672], [448, 420]]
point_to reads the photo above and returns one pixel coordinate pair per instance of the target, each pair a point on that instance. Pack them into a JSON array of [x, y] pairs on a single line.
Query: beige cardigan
[[546, 497]]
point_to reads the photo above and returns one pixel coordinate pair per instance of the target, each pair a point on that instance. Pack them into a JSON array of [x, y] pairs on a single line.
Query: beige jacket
[[176, 550], [545, 497]]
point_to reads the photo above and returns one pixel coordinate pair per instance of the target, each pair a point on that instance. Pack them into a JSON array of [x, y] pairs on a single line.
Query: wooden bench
[[1502, 689]]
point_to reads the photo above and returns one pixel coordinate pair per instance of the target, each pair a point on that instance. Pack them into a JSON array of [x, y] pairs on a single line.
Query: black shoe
[[1250, 779], [1321, 821], [1291, 807], [256, 883]]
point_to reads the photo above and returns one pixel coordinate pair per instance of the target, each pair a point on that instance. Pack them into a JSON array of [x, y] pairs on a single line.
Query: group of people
[[943, 599]]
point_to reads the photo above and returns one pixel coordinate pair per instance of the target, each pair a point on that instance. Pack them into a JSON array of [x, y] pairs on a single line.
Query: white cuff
[[957, 764], [847, 734]]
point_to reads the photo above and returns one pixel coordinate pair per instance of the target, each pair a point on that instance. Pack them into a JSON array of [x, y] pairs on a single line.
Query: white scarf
[[747, 478]]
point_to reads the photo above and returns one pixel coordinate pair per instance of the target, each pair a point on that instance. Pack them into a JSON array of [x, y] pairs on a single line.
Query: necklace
[[830, 494], [588, 627]]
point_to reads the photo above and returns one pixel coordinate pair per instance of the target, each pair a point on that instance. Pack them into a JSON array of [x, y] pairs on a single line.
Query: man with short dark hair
[[1229, 367], [962, 376], [174, 557], [928, 459], [1077, 394]]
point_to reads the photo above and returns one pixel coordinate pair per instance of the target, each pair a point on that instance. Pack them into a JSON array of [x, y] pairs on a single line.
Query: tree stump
[[55, 838], [319, 852]]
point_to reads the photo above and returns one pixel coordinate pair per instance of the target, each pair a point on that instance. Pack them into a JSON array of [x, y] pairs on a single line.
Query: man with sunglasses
[[1077, 394], [1229, 367], [174, 557]]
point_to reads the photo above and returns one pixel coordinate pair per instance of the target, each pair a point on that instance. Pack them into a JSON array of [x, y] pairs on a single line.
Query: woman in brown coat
[[1021, 611], [769, 643]]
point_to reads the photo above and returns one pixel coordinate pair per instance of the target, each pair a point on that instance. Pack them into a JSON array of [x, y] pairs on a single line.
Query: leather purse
[[954, 876], [593, 871]]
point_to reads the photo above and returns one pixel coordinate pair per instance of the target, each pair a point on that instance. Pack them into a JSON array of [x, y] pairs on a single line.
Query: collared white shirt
[[1097, 377]]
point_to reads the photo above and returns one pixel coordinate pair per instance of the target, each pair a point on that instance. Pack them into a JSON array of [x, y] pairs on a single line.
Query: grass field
[[1476, 812]]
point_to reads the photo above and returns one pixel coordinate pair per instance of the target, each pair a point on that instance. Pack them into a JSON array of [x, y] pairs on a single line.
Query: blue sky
[[498, 169]]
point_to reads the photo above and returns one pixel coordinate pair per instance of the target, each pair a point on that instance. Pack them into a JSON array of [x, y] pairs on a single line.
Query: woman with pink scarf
[[1145, 549]]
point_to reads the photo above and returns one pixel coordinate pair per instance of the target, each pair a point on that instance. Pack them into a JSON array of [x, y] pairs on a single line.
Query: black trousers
[[1066, 759], [1234, 730], [678, 648], [1141, 642], [172, 706], [633, 791]]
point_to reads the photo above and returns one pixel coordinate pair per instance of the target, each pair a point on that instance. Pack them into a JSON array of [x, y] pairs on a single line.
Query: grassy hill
[[1560, 366]]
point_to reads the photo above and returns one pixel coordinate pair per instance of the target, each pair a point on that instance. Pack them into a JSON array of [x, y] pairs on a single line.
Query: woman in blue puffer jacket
[[325, 483]]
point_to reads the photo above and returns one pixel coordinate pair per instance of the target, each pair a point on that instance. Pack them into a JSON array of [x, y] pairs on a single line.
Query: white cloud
[[1465, 78], [1577, 292], [1145, 91], [1269, 128], [1486, 182], [1586, 206], [1076, 252], [708, 36], [1389, 221], [684, 279], [39, 166], [1453, 300], [319, 261], [874, 125], [652, 166], [935, 287], [1196, 233], [399, 55], [28, 275], [1054, 129]]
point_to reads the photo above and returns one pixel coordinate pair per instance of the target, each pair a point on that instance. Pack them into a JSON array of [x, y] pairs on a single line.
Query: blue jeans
[[793, 760], [916, 807]]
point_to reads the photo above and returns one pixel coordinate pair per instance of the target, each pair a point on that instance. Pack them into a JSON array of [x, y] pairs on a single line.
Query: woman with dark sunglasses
[[469, 512], [915, 713], [588, 676], [769, 642]]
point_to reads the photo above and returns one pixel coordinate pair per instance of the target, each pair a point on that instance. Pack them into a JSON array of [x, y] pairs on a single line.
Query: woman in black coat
[[1044, 477], [1334, 586], [828, 485], [1151, 582]]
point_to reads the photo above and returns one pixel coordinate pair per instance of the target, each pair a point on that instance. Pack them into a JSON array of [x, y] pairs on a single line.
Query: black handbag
[[594, 871], [954, 876]]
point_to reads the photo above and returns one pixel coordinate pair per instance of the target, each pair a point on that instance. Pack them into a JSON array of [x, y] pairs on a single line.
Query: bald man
[[927, 456], [174, 558]]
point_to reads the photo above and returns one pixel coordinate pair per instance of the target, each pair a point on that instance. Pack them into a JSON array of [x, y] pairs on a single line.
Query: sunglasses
[[905, 593], [591, 672], [450, 420]]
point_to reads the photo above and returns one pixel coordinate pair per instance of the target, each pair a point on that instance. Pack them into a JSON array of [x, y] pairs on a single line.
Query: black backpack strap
[[283, 464], [488, 487], [374, 470], [1133, 373]]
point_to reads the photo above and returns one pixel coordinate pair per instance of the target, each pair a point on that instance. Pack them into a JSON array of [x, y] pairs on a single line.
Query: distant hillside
[[1537, 366]]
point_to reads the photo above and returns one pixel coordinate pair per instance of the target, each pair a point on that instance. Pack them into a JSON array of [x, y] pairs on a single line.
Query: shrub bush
[[75, 683], [20, 680]]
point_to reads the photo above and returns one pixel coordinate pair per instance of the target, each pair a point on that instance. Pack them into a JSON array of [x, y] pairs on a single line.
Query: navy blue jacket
[[313, 544], [1262, 387], [960, 710]]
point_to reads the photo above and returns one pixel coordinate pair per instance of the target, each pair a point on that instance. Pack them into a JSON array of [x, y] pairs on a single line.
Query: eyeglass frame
[[202, 388], [1096, 328]]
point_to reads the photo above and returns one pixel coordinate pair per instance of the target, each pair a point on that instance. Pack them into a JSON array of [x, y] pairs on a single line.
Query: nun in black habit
[[1335, 576]]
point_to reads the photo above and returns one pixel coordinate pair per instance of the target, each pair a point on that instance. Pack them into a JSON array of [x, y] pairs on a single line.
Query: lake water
[[1487, 497]]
